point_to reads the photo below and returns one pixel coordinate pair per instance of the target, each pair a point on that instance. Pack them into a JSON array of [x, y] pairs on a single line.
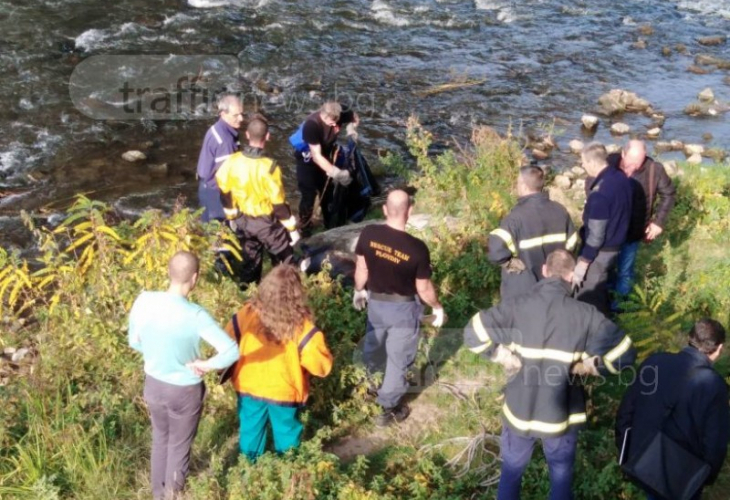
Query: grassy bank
[[74, 424]]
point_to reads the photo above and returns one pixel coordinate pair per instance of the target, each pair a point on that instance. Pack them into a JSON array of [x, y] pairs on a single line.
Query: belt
[[392, 297]]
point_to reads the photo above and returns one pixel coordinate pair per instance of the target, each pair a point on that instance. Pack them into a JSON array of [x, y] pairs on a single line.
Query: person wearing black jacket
[[701, 418], [605, 225], [545, 336], [654, 195], [531, 231]]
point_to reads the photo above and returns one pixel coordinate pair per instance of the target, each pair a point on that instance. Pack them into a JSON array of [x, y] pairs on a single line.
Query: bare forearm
[[322, 162], [427, 293]]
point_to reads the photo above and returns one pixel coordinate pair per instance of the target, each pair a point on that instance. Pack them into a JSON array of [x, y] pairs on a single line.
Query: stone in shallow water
[[576, 146], [707, 95], [693, 149], [712, 40], [620, 128], [134, 156], [589, 122], [695, 159]]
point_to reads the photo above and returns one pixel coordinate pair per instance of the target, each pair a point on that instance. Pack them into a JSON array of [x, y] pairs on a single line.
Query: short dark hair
[[257, 128], [182, 266], [533, 177], [595, 152], [560, 263], [706, 335]]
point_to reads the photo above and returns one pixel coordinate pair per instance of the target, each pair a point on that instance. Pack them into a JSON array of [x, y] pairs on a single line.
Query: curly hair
[[281, 303]]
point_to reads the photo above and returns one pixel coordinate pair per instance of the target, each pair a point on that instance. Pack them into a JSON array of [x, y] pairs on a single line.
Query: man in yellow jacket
[[253, 201]]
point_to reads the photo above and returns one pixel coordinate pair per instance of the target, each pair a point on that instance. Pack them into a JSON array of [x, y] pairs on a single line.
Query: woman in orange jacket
[[280, 347]]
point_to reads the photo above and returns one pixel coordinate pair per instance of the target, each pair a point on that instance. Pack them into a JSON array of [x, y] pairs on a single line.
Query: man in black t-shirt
[[314, 160], [396, 267]]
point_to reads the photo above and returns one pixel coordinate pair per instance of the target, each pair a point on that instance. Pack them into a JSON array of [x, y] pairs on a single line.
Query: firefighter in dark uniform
[[606, 219], [533, 229], [314, 143], [254, 203], [549, 338]]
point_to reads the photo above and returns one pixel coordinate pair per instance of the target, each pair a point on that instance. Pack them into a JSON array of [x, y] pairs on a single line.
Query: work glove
[[295, 237], [586, 367], [514, 266], [360, 299], [509, 360], [579, 274], [438, 317], [340, 176], [231, 213]]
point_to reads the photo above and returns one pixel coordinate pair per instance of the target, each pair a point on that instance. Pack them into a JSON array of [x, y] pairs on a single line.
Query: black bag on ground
[[665, 467]]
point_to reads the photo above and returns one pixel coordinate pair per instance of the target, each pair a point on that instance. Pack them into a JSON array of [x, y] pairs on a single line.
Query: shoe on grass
[[390, 416]]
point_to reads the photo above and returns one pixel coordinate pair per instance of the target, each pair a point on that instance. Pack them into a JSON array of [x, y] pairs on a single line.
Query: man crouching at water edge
[[166, 328], [396, 267], [543, 337]]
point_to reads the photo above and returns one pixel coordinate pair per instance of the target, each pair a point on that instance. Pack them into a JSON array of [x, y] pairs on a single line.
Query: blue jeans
[[516, 453], [625, 268]]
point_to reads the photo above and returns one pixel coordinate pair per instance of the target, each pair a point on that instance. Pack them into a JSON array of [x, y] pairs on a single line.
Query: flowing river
[[533, 64]]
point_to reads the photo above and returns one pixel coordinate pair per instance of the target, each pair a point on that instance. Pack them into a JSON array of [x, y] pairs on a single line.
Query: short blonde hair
[[331, 110]]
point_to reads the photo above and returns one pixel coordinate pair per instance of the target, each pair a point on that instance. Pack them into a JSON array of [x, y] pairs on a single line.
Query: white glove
[[295, 237], [509, 360], [579, 273], [438, 320], [360, 299], [340, 176]]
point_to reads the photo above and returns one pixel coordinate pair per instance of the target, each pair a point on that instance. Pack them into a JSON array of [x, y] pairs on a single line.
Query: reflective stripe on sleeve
[[479, 329], [222, 158], [544, 427], [542, 240], [216, 135], [290, 224], [572, 241], [507, 238]]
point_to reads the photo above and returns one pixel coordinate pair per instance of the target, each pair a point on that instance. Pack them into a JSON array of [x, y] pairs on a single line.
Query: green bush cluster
[[75, 425]]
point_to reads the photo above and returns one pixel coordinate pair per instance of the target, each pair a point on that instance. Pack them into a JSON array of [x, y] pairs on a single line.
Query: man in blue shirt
[[166, 328], [220, 142], [606, 218]]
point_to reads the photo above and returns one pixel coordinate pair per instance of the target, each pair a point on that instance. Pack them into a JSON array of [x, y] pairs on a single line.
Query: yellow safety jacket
[[252, 183], [276, 373]]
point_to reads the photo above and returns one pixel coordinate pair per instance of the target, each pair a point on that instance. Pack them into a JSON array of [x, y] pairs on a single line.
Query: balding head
[[530, 181], [559, 264], [633, 156], [397, 206], [183, 269]]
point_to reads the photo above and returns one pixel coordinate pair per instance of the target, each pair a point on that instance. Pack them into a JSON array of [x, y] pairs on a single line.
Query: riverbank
[[74, 424], [534, 65]]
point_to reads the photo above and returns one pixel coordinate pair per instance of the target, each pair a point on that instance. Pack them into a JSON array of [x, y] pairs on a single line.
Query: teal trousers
[[254, 414]]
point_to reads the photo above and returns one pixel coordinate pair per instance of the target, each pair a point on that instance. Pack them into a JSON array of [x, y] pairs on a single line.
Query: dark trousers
[[595, 289], [175, 413], [256, 234], [391, 339], [209, 197], [516, 452], [312, 181]]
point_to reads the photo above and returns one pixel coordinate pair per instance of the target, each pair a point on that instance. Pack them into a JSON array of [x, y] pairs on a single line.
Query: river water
[[535, 64]]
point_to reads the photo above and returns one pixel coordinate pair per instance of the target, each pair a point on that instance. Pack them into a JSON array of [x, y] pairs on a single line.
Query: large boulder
[[622, 101]]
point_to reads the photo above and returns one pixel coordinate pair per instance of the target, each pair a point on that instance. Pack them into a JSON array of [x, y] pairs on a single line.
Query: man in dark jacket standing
[[546, 335], [605, 225], [531, 231], [701, 418], [654, 194]]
